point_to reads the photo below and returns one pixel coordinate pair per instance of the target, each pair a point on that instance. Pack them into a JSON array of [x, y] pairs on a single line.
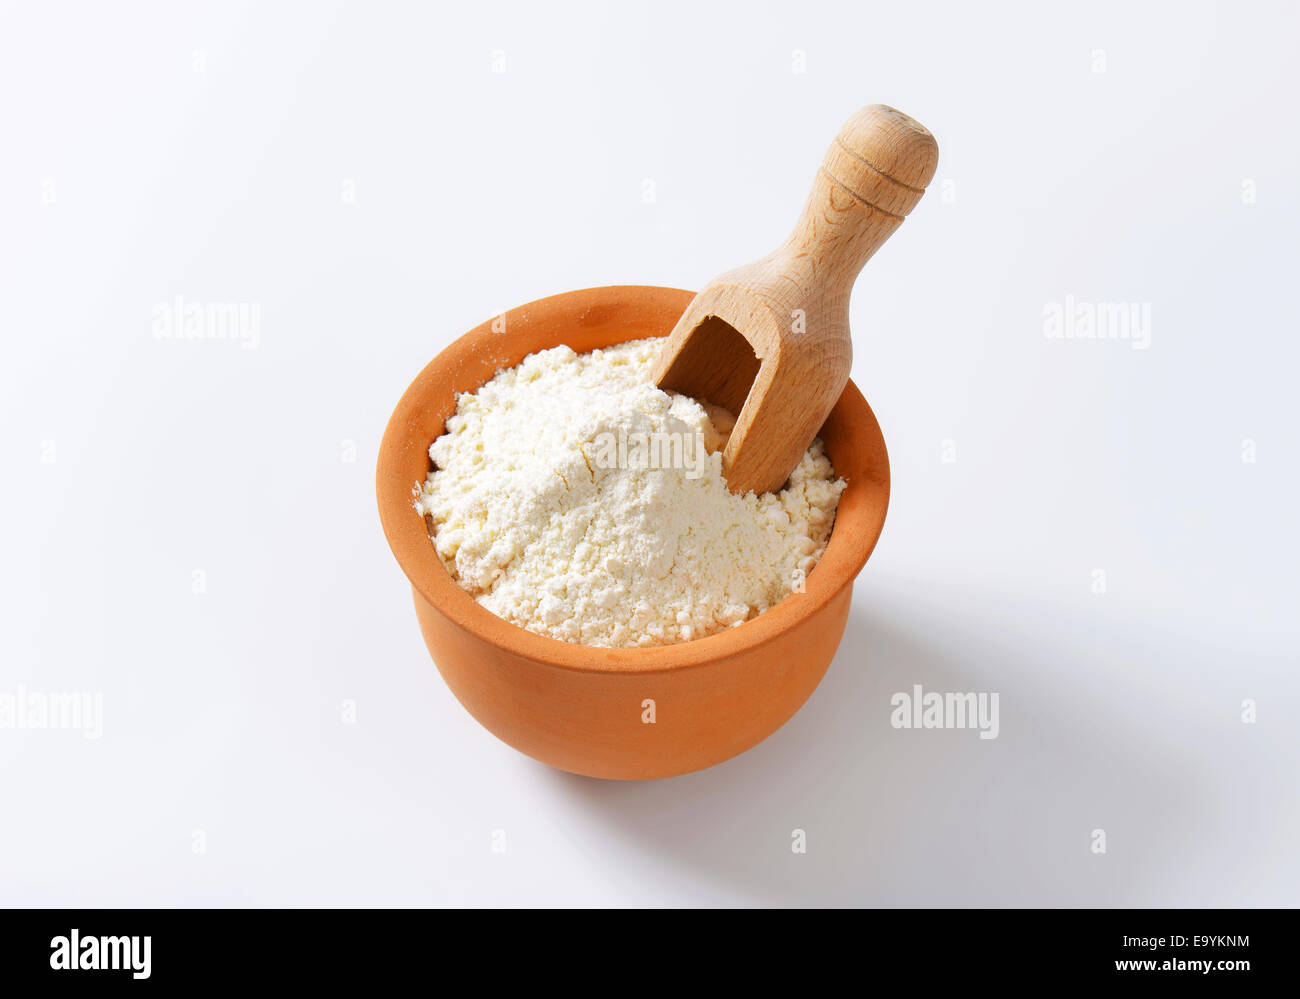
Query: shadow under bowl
[[586, 709]]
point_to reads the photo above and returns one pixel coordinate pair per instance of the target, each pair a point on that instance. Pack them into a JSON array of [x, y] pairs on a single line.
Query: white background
[[160, 150]]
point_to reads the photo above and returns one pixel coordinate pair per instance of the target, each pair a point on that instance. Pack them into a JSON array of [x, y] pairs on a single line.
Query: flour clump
[[572, 497]]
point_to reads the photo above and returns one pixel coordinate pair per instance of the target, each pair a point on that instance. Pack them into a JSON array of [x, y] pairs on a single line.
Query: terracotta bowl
[[579, 708]]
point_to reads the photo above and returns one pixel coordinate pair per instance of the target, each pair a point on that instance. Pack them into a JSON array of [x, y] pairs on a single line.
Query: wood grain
[[771, 339]]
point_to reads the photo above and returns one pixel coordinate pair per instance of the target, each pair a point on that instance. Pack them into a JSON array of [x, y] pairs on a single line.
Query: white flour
[[573, 498]]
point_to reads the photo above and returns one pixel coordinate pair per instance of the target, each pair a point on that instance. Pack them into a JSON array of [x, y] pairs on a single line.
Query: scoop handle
[[874, 174]]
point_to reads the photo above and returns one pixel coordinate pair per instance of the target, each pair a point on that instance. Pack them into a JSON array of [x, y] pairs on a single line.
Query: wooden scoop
[[770, 341]]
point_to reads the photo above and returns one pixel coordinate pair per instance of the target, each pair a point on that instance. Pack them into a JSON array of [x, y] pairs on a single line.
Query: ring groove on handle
[[884, 158]]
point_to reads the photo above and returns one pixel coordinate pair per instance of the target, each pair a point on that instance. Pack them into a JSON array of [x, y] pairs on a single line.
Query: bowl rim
[[408, 538]]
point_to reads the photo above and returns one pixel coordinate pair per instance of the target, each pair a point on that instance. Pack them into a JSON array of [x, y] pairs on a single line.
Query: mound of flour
[[572, 497]]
